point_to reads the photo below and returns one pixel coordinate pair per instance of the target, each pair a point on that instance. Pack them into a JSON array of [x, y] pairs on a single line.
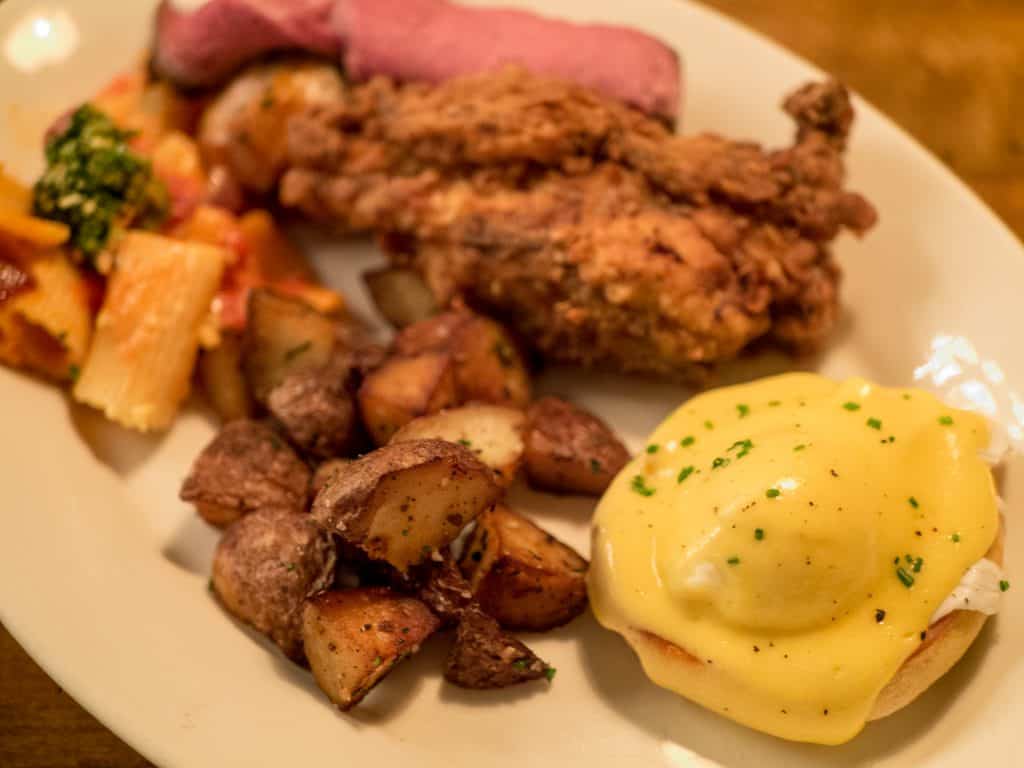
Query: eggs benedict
[[802, 555]]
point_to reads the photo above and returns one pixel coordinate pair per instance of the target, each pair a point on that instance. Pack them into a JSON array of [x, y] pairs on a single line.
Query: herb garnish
[[946, 421], [74, 372], [874, 423], [463, 441], [913, 502], [709, 425], [759, 534], [905, 577], [299, 349], [734, 560], [652, 448], [955, 538], [639, 486], [595, 466], [917, 565], [550, 673], [1004, 585], [742, 409], [744, 445], [851, 406], [720, 461], [799, 447], [685, 472], [687, 441], [773, 493], [519, 663], [774, 403]]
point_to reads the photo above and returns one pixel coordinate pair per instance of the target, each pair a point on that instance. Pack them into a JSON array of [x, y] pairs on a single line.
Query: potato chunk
[[404, 388], [325, 472], [266, 565], [403, 502], [317, 411], [246, 467], [220, 370], [494, 433], [522, 575], [569, 449], [354, 637], [484, 656], [400, 295]]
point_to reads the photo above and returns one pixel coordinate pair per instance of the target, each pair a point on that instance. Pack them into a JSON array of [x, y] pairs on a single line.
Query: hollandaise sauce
[[792, 537]]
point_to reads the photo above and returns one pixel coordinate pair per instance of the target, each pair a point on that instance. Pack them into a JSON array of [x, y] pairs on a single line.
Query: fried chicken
[[600, 236]]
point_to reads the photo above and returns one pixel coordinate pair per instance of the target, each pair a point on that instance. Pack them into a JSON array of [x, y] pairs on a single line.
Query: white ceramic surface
[[103, 572]]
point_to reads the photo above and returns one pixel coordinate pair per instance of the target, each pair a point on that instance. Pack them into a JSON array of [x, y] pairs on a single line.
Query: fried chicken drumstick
[[600, 236]]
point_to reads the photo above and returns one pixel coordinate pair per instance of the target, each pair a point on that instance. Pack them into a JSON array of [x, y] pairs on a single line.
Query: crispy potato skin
[[400, 295], [570, 450], [522, 575], [403, 388], [266, 565], [316, 410], [354, 637], [324, 472], [494, 433], [484, 656], [246, 467], [283, 336], [403, 502]]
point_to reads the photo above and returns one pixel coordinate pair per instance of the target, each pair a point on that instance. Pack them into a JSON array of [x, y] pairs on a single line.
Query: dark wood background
[[951, 72]]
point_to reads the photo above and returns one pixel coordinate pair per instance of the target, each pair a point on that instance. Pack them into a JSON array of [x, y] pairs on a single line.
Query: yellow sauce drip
[[801, 557]]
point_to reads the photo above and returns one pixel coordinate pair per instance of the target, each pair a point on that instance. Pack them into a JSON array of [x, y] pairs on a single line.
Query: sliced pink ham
[[426, 40], [434, 40], [205, 46]]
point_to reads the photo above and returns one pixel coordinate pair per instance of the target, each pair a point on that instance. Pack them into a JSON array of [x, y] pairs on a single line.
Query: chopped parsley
[[734, 560], [709, 425], [652, 448], [685, 472], [687, 441], [946, 421], [550, 673], [595, 466], [759, 534], [917, 565], [742, 409], [904, 576], [640, 486], [720, 461], [299, 349], [464, 442], [1004, 585], [799, 447], [913, 502], [874, 423], [851, 406], [744, 446], [955, 538], [773, 493]]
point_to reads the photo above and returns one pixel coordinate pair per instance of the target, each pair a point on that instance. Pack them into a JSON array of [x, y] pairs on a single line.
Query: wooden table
[[952, 73]]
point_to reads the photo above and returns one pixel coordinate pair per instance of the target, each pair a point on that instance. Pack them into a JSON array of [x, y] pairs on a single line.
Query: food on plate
[[484, 656], [95, 184], [404, 388], [599, 235], [220, 370], [494, 433], [354, 637], [795, 541], [148, 331], [283, 336], [317, 411], [266, 565], [400, 295], [248, 466], [403, 503], [325, 472], [570, 450], [421, 40], [521, 575]]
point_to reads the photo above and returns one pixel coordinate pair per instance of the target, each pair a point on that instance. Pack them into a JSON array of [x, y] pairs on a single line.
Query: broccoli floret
[[94, 183]]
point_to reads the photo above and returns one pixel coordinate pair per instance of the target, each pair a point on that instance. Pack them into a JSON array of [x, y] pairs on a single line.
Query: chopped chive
[[773, 493], [955, 538], [906, 578], [1004, 585], [595, 466], [851, 406], [913, 502], [687, 441], [652, 448], [742, 409], [465, 442], [550, 673], [685, 472], [720, 461], [639, 486], [917, 565], [946, 420], [709, 425], [759, 534], [874, 423], [734, 560], [799, 447]]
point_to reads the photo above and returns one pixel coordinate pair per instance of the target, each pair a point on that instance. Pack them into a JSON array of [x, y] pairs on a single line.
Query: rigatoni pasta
[[147, 333]]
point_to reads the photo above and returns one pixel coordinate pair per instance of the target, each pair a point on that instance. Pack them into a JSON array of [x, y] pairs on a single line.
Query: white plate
[[103, 572]]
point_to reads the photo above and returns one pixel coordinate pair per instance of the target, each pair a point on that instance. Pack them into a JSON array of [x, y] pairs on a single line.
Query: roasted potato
[[400, 295], [266, 565], [403, 388], [325, 472], [354, 637], [445, 591], [488, 365], [404, 502], [220, 370], [569, 449], [283, 336], [521, 575], [316, 410], [246, 467], [493, 432], [484, 656]]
